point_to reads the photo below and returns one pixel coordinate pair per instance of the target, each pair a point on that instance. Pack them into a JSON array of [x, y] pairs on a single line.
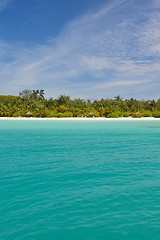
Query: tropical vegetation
[[32, 103]]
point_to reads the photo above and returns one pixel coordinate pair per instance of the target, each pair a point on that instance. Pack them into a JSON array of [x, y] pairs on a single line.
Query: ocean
[[79, 180]]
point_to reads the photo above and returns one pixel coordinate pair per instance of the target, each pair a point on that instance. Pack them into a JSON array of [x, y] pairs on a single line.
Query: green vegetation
[[32, 103]]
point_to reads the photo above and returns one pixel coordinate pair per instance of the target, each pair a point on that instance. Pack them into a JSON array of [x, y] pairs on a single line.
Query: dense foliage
[[32, 103]]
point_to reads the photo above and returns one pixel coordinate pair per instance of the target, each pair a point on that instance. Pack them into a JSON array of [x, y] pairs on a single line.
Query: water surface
[[80, 180]]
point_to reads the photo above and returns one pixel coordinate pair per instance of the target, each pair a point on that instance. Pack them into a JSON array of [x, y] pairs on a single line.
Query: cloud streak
[[113, 50]]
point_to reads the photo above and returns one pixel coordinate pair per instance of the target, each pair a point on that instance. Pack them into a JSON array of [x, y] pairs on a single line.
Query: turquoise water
[[88, 180]]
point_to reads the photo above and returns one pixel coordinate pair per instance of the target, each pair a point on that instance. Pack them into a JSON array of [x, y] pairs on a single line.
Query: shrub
[[156, 114]]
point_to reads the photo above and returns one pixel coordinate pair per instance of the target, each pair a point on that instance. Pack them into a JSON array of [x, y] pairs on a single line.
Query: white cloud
[[150, 35], [121, 84], [95, 63], [156, 3]]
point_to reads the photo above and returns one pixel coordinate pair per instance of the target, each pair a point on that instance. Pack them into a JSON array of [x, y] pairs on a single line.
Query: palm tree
[[64, 100]]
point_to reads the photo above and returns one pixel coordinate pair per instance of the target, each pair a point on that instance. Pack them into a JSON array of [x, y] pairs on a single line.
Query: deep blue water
[[79, 180]]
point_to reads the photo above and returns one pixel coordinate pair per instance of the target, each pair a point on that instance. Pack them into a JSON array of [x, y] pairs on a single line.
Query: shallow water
[[80, 180]]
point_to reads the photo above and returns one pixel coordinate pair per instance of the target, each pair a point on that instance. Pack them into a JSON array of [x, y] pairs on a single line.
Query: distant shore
[[82, 118]]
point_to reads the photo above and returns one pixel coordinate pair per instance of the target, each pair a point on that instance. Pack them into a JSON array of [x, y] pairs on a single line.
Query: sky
[[90, 49]]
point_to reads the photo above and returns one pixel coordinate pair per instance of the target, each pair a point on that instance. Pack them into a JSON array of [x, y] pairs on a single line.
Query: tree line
[[32, 103]]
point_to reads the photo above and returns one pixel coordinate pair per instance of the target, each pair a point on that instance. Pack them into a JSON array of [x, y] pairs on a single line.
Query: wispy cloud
[[3, 4], [156, 3], [121, 84], [113, 50]]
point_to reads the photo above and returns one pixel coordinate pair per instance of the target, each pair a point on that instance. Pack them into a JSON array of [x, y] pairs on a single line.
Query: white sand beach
[[81, 119]]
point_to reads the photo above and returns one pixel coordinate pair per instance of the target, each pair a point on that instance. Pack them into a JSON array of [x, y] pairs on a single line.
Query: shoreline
[[81, 119]]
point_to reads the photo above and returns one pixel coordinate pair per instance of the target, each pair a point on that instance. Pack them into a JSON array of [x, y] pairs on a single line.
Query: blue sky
[[88, 48]]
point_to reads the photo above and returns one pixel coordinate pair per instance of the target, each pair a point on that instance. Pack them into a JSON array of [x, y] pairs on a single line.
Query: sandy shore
[[82, 119]]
